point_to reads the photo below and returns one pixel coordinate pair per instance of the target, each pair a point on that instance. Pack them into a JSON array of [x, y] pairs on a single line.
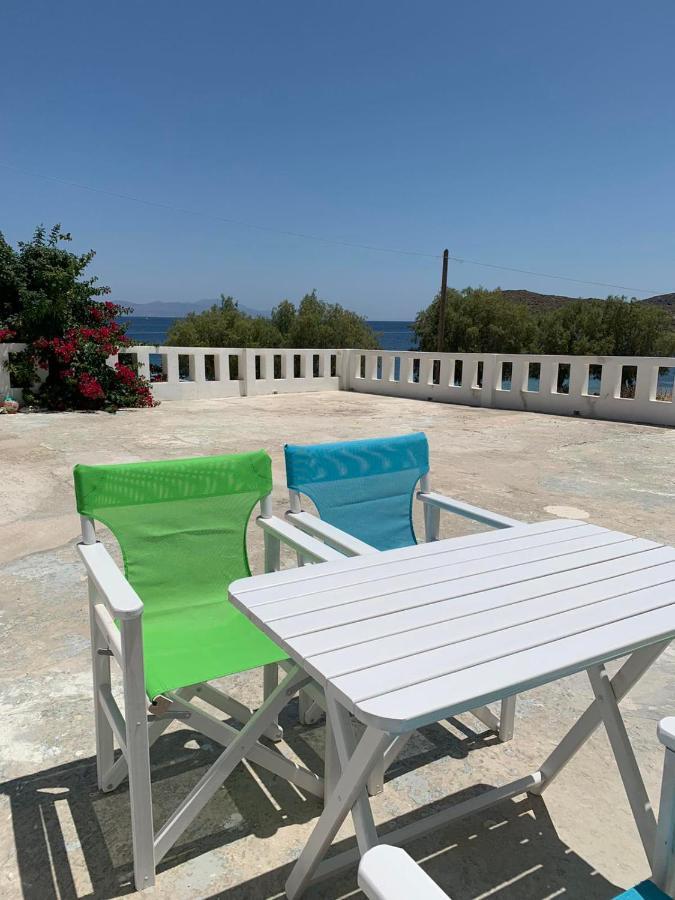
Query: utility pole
[[442, 303]]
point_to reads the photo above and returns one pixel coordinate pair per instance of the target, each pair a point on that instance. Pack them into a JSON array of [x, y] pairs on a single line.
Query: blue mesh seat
[[365, 488], [645, 891]]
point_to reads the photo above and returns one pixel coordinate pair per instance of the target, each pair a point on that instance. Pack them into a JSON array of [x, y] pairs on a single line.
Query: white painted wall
[[422, 376], [431, 376], [255, 371]]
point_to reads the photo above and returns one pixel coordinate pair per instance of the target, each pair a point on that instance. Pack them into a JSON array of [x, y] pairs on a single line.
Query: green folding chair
[[181, 526]]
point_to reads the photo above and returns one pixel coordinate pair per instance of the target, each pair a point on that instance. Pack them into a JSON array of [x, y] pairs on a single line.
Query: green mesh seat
[[181, 526]]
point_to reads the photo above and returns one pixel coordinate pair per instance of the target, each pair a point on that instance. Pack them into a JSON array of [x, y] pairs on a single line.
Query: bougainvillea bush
[[70, 334]]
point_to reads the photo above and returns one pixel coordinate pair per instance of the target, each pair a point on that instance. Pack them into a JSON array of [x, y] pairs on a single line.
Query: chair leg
[[138, 754], [240, 747], [664, 851], [507, 718], [120, 770], [100, 664]]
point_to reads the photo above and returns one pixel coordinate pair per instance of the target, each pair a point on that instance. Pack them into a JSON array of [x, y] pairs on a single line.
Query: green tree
[[42, 285], [611, 327], [477, 321], [223, 325], [323, 325], [283, 316], [313, 324], [480, 321]]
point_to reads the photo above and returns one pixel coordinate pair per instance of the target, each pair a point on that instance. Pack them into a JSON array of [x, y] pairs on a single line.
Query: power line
[[621, 287], [314, 237], [218, 218]]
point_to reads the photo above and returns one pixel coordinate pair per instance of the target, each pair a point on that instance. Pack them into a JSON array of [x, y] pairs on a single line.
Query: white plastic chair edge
[[120, 598], [389, 873], [432, 500], [664, 849], [334, 537], [277, 530]]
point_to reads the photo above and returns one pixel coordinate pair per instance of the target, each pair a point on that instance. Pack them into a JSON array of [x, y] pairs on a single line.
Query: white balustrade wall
[[627, 389], [632, 389], [203, 373]]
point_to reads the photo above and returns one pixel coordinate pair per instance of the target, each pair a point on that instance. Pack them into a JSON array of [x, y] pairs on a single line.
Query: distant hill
[[540, 302], [548, 302], [666, 302], [182, 308]]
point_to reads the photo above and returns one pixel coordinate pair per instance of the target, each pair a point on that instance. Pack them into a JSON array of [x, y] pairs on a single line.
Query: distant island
[[536, 302], [180, 308]]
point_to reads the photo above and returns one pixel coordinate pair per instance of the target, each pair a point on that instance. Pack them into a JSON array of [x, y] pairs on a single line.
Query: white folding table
[[408, 637]]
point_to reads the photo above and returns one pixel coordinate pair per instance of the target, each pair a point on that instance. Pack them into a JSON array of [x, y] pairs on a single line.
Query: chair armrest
[[302, 543], [119, 596], [465, 509], [388, 873], [666, 732], [334, 537]]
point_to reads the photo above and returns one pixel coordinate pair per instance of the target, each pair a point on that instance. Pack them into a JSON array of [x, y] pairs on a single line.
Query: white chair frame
[[112, 598], [663, 866], [339, 540]]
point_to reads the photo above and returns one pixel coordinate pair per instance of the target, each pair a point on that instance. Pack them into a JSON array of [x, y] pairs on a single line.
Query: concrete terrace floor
[[61, 838]]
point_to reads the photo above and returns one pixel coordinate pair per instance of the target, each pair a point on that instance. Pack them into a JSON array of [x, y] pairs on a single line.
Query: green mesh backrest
[[181, 524]]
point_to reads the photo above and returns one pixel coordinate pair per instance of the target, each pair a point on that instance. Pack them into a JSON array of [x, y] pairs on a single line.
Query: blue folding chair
[[364, 493]]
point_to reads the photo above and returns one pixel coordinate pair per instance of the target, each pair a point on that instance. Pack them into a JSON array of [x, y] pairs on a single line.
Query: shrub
[[70, 335]]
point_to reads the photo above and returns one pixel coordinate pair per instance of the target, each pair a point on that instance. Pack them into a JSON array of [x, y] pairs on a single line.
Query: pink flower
[[125, 374], [90, 387]]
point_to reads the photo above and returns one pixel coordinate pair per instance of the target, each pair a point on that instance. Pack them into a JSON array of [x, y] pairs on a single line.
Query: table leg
[[397, 746], [626, 678], [343, 732], [625, 758], [332, 771], [350, 787]]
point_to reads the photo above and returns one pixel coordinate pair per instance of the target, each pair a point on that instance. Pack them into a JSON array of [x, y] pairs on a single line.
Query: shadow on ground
[[61, 821]]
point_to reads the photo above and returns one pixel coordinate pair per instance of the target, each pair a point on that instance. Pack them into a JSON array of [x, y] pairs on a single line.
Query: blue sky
[[527, 134]]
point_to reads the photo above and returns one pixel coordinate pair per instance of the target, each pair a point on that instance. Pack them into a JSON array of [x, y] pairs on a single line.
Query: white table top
[[410, 636]]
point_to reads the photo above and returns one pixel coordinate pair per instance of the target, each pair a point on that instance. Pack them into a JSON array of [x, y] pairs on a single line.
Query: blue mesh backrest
[[366, 488]]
